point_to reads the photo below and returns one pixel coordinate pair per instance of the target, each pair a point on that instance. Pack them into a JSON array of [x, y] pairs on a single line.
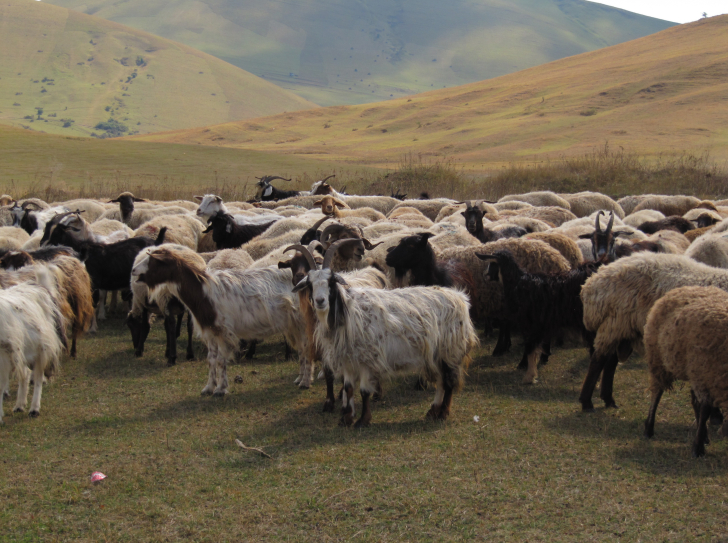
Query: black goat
[[474, 223], [674, 222], [227, 234], [313, 233], [173, 315], [268, 193], [109, 266], [541, 304], [398, 195], [414, 254]]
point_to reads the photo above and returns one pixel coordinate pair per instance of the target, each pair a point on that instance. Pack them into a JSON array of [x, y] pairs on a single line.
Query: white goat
[[211, 204]]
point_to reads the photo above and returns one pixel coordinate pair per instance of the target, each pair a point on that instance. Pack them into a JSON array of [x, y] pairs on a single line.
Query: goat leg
[[606, 392], [347, 409], [190, 351], [170, 327], [366, 414], [504, 339], [701, 439], [330, 401]]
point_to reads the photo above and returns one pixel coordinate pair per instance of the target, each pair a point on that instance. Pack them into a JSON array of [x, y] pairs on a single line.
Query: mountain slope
[[82, 70], [663, 93], [343, 52]]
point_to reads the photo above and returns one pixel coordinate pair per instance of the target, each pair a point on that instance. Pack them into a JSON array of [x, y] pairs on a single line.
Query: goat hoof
[[443, 414], [33, 414], [303, 386], [362, 423], [206, 392], [138, 354], [19, 410], [698, 451], [171, 363], [6, 395], [499, 352], [190, 355], [433, 413], [346, 420], [329, 406], [219, 393], [298, 380], [529, 381], [610, 404], [543, 359], [587, 408], [376, 397]]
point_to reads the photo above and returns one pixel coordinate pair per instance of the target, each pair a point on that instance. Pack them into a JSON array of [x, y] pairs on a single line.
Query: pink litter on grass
[[97, 476]]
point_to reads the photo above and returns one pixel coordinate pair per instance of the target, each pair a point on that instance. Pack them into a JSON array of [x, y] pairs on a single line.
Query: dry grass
[[661, 93], [532, 468]]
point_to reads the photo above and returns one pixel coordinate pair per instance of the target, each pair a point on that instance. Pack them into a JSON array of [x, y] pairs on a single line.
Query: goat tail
[[161, 235]]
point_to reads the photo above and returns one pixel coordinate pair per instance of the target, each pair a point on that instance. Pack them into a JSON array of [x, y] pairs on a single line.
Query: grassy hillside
[[342, 52], [56, 167], [662, 93], [82, 70]]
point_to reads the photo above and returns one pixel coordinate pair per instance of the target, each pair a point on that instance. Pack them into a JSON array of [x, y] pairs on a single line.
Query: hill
[[341, 52], [81, 70], [662, 93]]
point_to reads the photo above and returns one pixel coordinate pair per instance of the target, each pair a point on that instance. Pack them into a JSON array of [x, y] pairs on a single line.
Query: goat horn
[[611, 222], [26, 204], [334, 248], [327, 178], [304, 251], [597, 225], [319, 223]]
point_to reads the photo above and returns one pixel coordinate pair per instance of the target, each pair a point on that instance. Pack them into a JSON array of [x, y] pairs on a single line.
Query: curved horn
[[319, 223], [611, 222], [598, 226], [304, 251], [326, 234], [269, 178], [327, 178], [26, 204], [334, 248]]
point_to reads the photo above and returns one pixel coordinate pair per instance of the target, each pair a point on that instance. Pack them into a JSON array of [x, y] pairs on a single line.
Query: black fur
[[227, 234], [414, 254], [109, 266], [474, 223]]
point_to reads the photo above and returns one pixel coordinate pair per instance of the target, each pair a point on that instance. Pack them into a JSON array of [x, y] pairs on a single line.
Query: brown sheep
[[686, 338]]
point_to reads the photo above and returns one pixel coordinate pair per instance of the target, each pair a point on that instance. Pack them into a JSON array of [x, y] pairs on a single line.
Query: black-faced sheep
[[685, 339], [474, 223]]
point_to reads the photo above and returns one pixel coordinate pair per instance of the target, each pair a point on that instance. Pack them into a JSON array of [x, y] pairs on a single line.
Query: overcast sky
[[677, 11]]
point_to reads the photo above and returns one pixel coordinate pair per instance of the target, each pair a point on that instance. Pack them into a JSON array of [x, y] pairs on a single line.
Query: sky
[[677, 11]]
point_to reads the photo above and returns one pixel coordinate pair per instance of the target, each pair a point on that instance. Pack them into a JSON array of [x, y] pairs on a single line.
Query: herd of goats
[[370, 285]]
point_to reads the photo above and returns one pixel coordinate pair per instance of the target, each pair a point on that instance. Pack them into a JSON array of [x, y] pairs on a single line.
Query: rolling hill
[[342, 52], [62, 71], [667, 92]]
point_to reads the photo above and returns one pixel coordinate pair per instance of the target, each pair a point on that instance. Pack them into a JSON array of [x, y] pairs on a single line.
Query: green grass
[[340, 52], [533, 468]]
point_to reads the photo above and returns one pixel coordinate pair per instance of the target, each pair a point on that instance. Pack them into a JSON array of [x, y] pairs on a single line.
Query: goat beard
[[323, 317]]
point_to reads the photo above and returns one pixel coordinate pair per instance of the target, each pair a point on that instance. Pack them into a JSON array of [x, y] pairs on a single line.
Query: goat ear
[[487, 258], [585, 236], [424, 236], [341, 205], [218, 199], [138, 199], [302, 284], [198, 198], [340, 279], [206, 230], [318, 202], [113, 201], [229, 227], [284, 264]]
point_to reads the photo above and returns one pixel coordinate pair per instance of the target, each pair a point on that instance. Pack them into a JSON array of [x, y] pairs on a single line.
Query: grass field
[[532, 468]]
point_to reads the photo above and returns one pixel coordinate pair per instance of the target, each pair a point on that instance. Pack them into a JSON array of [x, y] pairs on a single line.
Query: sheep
[[228, 259], [300, 264], [445, 238], [181, 230], [134, 218], [702, 217], [33, 337], [92, 210], [554, 215], [511, 205], [692, 235], [226, 305], [711, 249], [366, 334], [164, 305], [668, 205], [474, 223], [14, 260], [563, 244], [429, 208], [583, 204], [381, 229], [488, 209], [227, 234], [12, 238], [617, 300], [268, 193], [529, 224], [541, 198], [668, 223], [685, 336], [259, 248], [628, 203], [669, 241], [382, 204], [6, 200]]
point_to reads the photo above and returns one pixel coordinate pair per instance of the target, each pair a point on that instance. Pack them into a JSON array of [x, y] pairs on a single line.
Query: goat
[[226, 305], [30, 217], [227, 234], [474, 223], [108, 265], [365, 334], [33, 337], [268, 193], [168, 307]]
